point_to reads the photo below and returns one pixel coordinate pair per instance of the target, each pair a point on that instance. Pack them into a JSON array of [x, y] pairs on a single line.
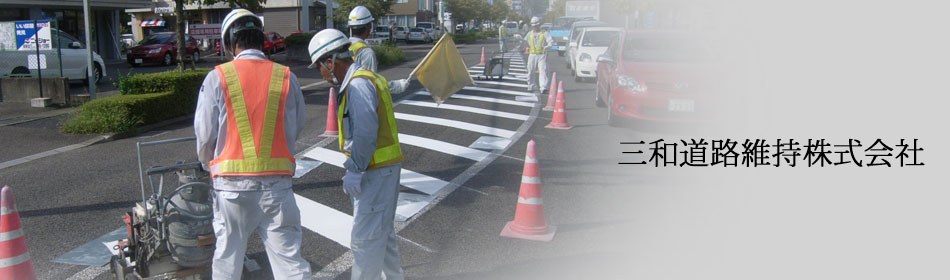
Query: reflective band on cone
[[332, 129], [529, 220], [15, 260], [559, 120]]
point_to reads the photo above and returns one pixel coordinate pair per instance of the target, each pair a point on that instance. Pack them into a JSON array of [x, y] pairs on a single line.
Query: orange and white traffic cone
[[525, 50], [332, 129], [483, 56], [552, 93], [529, 216], [15, 260], [559, 120]]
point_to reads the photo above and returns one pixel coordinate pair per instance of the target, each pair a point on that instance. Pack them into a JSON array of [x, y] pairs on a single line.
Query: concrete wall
[[21, 90]]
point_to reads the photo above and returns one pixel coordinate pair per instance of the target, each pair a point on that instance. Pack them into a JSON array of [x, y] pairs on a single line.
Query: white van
[[434, 30], [73, 55]]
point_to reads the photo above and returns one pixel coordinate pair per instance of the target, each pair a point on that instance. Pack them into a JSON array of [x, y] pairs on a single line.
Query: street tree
[[253, 5], [557, 10], [464, 11], [377, 8]]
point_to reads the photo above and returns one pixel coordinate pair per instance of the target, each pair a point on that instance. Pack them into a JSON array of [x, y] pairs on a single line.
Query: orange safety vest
[[255, 94]]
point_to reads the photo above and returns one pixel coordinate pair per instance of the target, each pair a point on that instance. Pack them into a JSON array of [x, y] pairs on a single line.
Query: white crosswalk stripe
[[502, 84], [485, 99], [408, 178], [501, 91], [457, 124], [443, 147], [481, 111]]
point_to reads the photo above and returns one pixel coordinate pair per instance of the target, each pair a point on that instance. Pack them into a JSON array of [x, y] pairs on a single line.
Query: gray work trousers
[[538, 62], [373, 239]]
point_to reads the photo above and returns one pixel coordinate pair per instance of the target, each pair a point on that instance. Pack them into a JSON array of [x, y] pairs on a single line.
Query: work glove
[[398, 86], [351, 183]]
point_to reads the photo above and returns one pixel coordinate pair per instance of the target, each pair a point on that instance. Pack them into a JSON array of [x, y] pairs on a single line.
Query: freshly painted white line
[[466, 109], [490, 143], [502, 84], [501, 91], [408, 178], [485, 99], [325, 221], [507, 77], [52, 152], [481, 72], [443, 147], [408, 204], [313, 85], [457, 124], [89, 273]]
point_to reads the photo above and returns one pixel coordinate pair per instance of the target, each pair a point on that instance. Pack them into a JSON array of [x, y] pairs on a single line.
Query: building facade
[[408, 12], [105, 25]]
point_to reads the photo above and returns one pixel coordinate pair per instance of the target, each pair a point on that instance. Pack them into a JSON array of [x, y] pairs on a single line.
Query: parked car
[[576, 29], [400, 33], [655, 76], [433, 30], [418, 35], [74, 60], [161, 48], [381, 32], [592, 43], [274, 43]]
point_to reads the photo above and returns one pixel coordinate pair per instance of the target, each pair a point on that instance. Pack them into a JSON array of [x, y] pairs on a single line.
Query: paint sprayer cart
[[169, 231], [496, 67]]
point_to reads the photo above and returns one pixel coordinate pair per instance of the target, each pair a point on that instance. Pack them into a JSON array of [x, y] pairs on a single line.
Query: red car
[[274, 43], [160, 48], [657, 76]]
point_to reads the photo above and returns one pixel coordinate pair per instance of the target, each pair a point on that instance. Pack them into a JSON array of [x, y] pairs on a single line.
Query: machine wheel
[[119, 271]]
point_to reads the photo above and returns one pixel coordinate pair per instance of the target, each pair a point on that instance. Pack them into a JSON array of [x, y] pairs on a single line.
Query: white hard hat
[[324, 42], [360, 15], [535, 21], [239, 19]]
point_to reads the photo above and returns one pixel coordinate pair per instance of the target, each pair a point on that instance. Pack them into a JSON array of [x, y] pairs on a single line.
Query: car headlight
[[584, 57], [630, 83], [154, 51]]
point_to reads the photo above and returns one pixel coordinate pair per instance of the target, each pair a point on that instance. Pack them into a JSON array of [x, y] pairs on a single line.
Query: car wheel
[[560, 53], [98, 73], [611, 119], [195, 57], [168, 59], [597, 100]]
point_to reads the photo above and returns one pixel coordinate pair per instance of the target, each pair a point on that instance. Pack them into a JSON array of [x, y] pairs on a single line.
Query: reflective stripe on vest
[[356, 47], [387, 136], [256, 144], [536, 42]]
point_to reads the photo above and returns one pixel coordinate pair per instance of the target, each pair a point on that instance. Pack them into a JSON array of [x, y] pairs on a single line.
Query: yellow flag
[[442, 71]]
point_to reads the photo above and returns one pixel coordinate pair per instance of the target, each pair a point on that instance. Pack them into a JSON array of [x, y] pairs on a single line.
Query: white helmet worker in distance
[[237, 20], [535, 21], [360, 23]]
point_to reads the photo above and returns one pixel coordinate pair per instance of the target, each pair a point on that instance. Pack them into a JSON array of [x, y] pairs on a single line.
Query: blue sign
[[28, 35]]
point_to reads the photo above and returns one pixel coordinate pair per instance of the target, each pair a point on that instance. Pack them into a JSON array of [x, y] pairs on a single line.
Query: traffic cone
[[483, 56], [529, 215], [559, 120], [526, 50], [332, 129], [15, 260], [552, 93]]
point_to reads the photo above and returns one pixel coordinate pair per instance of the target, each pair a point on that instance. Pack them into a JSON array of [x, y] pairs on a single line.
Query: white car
[[381, 32], [592, 43], [576, 28], [418, 35], [432, 29], [400, 33], [73, 55]]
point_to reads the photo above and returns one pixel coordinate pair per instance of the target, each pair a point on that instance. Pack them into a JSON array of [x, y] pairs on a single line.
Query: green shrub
[[299, 39], [163, 81], [464, 38], [124, 113], [389, 54]]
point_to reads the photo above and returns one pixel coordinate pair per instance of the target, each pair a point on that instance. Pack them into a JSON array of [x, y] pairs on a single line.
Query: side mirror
[[605, 59], [75, 45]]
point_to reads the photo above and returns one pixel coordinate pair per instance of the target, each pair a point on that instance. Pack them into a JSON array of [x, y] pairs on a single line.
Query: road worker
[[249, 114], [538, 44], [360, 24], [369, 139]]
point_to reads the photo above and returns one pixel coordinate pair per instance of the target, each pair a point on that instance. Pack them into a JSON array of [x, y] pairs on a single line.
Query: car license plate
[[138, 60], [682, 105]]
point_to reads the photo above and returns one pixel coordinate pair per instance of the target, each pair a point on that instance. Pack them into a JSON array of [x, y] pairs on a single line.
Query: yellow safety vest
[[357, 46], [388, 151], [536, 42]]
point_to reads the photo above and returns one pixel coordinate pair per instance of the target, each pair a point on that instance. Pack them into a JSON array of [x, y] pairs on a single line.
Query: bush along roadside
[[388, 53], [145, 99]]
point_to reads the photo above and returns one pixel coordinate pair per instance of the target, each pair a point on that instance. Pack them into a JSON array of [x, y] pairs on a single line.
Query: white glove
[[351, 183], [398, 86]]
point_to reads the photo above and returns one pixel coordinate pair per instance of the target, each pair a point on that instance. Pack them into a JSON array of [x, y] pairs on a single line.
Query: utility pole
[[91, 69], [329, 14]]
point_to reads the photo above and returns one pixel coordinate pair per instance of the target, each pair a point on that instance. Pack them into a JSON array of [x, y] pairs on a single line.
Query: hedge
[[388, 53], [299, 39], [144, 99]]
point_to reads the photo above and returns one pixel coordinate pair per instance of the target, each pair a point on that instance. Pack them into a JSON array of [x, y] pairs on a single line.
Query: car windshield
[[511, 25], [663, 49], [416, 30], [382, 29], [158, 39], [424, 25], [564, 23], [400, 28], [598, 38], [576, 33]]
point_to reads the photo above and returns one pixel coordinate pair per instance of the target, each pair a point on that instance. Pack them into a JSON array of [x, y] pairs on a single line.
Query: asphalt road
[[72, 198]]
